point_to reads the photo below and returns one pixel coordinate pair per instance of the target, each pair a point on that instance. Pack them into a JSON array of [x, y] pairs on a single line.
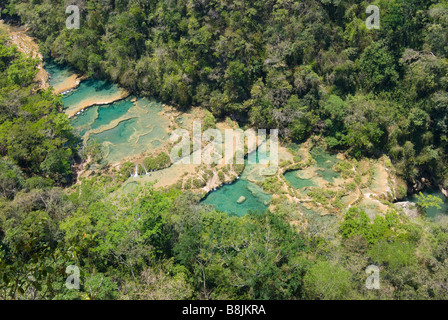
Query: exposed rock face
[[418, 186], [409, 208], [444, 191], [241, 199]]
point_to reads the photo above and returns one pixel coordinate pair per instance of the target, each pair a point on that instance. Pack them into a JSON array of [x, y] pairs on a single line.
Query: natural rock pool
[[243, 195], [59, 75], [324, 163], [432, 212], [128, 126], [125, 127]]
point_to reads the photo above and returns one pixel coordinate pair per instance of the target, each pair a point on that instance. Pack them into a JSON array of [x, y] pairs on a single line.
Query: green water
[[124, 128], [90, 90], [225, 199], [324, 167], [108, 113], [253, 168], [97, 116], [83, 122], [432, 212], [325, 163], [119, 134], [293, 178], [127, 128], [58, 73]]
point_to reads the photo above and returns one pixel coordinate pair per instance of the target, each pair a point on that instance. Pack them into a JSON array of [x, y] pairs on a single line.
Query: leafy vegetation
[[36, 140], [300, 66], [162, 244], [425, 202], [305, 67], [161, 161]]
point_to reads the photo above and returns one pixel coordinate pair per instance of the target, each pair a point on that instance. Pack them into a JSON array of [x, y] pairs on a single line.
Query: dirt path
[[28, 46], [380, 183]]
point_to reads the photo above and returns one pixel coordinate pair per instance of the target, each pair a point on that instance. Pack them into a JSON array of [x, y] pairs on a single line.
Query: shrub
[[127, 169], [345, 168], [11, 179], [160, 162], [198, 183]]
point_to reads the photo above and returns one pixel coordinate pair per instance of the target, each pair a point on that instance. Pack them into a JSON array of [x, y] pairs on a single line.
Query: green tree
[[428, 201], [378, 67], [11, 179], [325, 281]]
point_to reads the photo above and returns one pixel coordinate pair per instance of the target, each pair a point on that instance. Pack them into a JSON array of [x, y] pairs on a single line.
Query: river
[[128, 126]]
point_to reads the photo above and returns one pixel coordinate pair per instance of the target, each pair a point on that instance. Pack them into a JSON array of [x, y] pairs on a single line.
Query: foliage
[[324, 281], [357, 223], [304, 67], [159, 162], [271, 64], [425, 202], [11, 179], [33, 134]]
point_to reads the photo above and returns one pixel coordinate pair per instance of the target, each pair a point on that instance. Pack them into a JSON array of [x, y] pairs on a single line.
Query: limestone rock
[[241, 199], [409, 208], [444, 191]]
